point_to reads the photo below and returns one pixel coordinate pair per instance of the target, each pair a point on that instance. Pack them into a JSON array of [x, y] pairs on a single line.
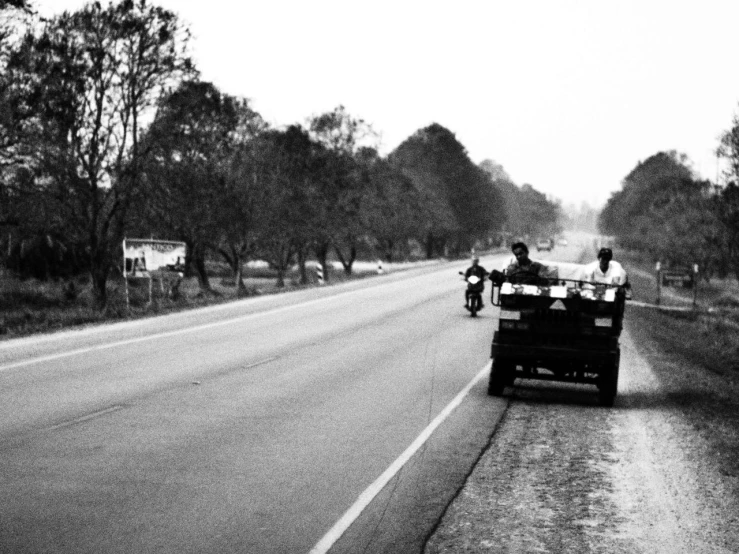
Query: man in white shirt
[[605, 270]]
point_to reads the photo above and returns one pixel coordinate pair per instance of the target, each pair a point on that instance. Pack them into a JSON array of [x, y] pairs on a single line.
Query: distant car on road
[[544, 244]]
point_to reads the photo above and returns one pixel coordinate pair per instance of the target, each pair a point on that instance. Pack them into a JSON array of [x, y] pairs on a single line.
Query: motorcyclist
[[478, 271]]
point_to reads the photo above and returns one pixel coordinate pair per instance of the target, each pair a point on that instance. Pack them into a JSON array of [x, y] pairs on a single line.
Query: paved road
[[246, 428]]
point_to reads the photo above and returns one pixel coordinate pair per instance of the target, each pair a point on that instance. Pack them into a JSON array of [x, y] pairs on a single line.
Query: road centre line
[[369, 494], [87, 417]]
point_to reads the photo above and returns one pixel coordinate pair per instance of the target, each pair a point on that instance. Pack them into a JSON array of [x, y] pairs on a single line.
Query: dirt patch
[[695, 360]]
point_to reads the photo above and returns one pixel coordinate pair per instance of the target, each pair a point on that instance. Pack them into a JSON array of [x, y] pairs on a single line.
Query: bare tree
[[80, 89]]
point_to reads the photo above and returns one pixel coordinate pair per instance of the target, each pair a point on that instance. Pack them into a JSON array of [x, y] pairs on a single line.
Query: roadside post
[[658, 269], [319, 273], [125, 279], [695, 286]]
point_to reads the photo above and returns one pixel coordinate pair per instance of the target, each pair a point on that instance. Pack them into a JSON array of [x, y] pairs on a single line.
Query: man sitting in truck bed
[[605, 270], [524, 270]]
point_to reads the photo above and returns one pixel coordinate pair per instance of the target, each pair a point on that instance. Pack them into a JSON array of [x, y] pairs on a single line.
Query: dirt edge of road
[[499, 423], [695, 356]]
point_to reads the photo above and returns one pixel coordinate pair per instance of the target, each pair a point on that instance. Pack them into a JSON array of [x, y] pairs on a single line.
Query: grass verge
[[695, 356]]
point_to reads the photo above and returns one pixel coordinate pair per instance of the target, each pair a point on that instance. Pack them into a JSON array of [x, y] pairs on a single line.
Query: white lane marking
[[354, 286], [156, 336], [334, 534], [658, 307], [85, 418], [202, 327], [261, 362]]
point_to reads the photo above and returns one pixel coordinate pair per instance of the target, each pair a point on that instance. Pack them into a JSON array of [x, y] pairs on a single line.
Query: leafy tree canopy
[[440, 166]]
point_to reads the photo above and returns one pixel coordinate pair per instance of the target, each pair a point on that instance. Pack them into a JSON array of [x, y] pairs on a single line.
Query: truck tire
[[498, 377], [608, 386]]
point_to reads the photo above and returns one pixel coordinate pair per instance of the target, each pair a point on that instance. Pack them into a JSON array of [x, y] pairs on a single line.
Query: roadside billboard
[[142, 257], [678, 278]]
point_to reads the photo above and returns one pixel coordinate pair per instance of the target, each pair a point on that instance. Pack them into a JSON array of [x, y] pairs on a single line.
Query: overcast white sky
[[567, 95]]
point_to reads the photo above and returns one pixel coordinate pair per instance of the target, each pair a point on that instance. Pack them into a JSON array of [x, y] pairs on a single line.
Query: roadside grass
[[708, 335], [695, 356], [31, 306]]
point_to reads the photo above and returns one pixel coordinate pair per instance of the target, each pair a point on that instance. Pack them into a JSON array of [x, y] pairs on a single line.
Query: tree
[[528, 212], [662, 209], [683, 227], [192, 190], [627, 214], [390, 211], [287, 165], [15, 4], [79, 90], [341, 187], [727, 210], [15, 18], [728, 149], [464, 203], [239, 218], [241, 195]]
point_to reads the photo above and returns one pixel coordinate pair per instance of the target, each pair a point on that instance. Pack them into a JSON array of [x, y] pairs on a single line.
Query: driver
[[479, 271], [523, 270]]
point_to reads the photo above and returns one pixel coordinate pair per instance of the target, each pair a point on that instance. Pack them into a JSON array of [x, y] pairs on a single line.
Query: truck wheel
[[608, 387], [498, 377], [510, 375]]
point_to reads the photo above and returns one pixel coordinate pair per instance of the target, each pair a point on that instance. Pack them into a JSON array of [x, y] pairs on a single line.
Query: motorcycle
[[475, 287]]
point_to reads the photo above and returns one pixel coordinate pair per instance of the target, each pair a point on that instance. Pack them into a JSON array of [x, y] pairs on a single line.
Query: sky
[[566, 95]]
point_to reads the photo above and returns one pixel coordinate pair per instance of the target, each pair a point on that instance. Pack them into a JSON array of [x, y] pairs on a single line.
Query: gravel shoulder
[[658, 472]]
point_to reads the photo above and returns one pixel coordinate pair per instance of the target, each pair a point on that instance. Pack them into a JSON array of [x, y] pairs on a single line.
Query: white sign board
[[144, 256]]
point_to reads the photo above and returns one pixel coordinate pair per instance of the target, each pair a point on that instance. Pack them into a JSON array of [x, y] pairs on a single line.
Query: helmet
[[606, 253], [475, 258]]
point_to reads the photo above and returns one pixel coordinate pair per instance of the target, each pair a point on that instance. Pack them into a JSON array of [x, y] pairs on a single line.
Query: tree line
[[107, 131], [665, 210]]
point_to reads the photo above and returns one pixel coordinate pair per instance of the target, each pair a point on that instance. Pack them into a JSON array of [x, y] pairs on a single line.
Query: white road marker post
[[695, 286], [319, 273], [125, 280], [658, 269], [380, 270]]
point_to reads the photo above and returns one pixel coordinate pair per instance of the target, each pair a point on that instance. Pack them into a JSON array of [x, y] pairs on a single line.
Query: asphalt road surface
[[252, 427]]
